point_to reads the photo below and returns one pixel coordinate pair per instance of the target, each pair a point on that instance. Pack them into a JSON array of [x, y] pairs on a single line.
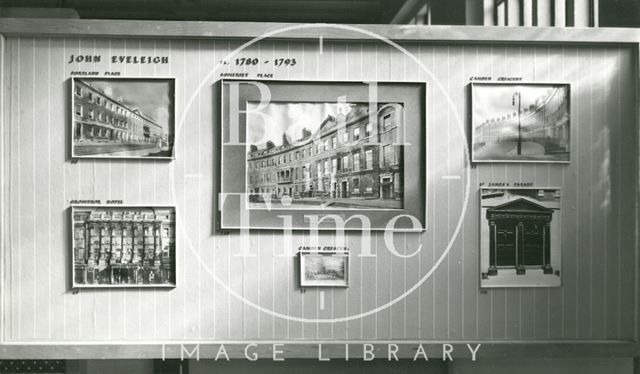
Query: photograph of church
[[521, 122], [122, 118], [326, 156], [520, 237]]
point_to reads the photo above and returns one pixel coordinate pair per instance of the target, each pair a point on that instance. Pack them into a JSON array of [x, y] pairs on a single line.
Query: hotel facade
[[124, 246], [349, 156]]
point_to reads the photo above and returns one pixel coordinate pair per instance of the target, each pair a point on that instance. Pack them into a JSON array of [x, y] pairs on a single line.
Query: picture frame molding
[[424, 167]]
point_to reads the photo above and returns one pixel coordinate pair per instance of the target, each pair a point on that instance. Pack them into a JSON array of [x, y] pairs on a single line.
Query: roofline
[[142, 114]]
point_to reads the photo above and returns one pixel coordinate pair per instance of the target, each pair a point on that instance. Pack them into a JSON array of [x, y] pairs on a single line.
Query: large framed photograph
[[521, 237], [122, 118], [518, 122], [123, 246], [324, 268], [322, 152]]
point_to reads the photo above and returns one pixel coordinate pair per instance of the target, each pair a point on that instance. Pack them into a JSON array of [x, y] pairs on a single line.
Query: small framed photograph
[[323, 153], [123, 246], [122, 118], [521, 237], [520, 122], [324, 268]]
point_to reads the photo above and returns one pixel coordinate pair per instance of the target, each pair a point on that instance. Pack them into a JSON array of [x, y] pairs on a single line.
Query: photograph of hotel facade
[[106, 125], [123, 246], [519, 123], [345, 162]]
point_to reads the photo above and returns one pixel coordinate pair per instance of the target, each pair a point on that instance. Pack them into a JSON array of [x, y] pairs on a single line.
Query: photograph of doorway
[[520, 237]]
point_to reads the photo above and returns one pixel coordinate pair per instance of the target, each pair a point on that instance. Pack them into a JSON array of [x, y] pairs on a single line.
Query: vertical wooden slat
[[559, 12], [628, 188], [13, 116], [582, 13], [426, 55], [489, 12], [635, 54], [29, 190], [544, 12], [501, 14], [514, 12], [457, 163], [3, 178], [527, 12], [600, 209], [439, 227]]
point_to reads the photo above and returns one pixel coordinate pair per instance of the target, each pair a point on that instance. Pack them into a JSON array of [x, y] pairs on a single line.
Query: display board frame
[[624, 38]]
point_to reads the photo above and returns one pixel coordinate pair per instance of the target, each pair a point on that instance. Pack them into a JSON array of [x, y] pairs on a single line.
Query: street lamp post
[[513, 102]]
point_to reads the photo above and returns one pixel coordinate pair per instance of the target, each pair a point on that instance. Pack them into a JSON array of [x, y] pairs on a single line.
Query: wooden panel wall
[[596, 300]]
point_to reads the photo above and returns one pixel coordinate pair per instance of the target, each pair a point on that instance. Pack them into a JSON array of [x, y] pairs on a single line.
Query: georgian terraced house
[[99, 117], [347, 157]]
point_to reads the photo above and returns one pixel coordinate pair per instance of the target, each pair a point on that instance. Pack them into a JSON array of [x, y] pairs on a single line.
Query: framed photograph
[[520, 235], [322, 153], [122, 118], [123, 246], [521, 122], [324, 268]]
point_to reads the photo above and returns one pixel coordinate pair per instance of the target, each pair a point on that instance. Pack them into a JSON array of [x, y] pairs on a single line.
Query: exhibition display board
[[491, 261]]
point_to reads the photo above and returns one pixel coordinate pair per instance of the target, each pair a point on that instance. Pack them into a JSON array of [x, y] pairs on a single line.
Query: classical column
[[143, 252], [520, 249], [546, 254], [86, 235], [87, 249], [158, 249], [92, 249], [137, 251], [103, 249], [493, 269], [112, 226]]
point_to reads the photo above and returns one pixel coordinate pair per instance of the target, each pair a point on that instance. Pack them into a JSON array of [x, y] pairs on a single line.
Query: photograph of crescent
[[520, 122]]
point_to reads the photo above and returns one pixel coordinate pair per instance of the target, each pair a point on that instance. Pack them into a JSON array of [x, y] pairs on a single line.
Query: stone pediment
[[521, 205]]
